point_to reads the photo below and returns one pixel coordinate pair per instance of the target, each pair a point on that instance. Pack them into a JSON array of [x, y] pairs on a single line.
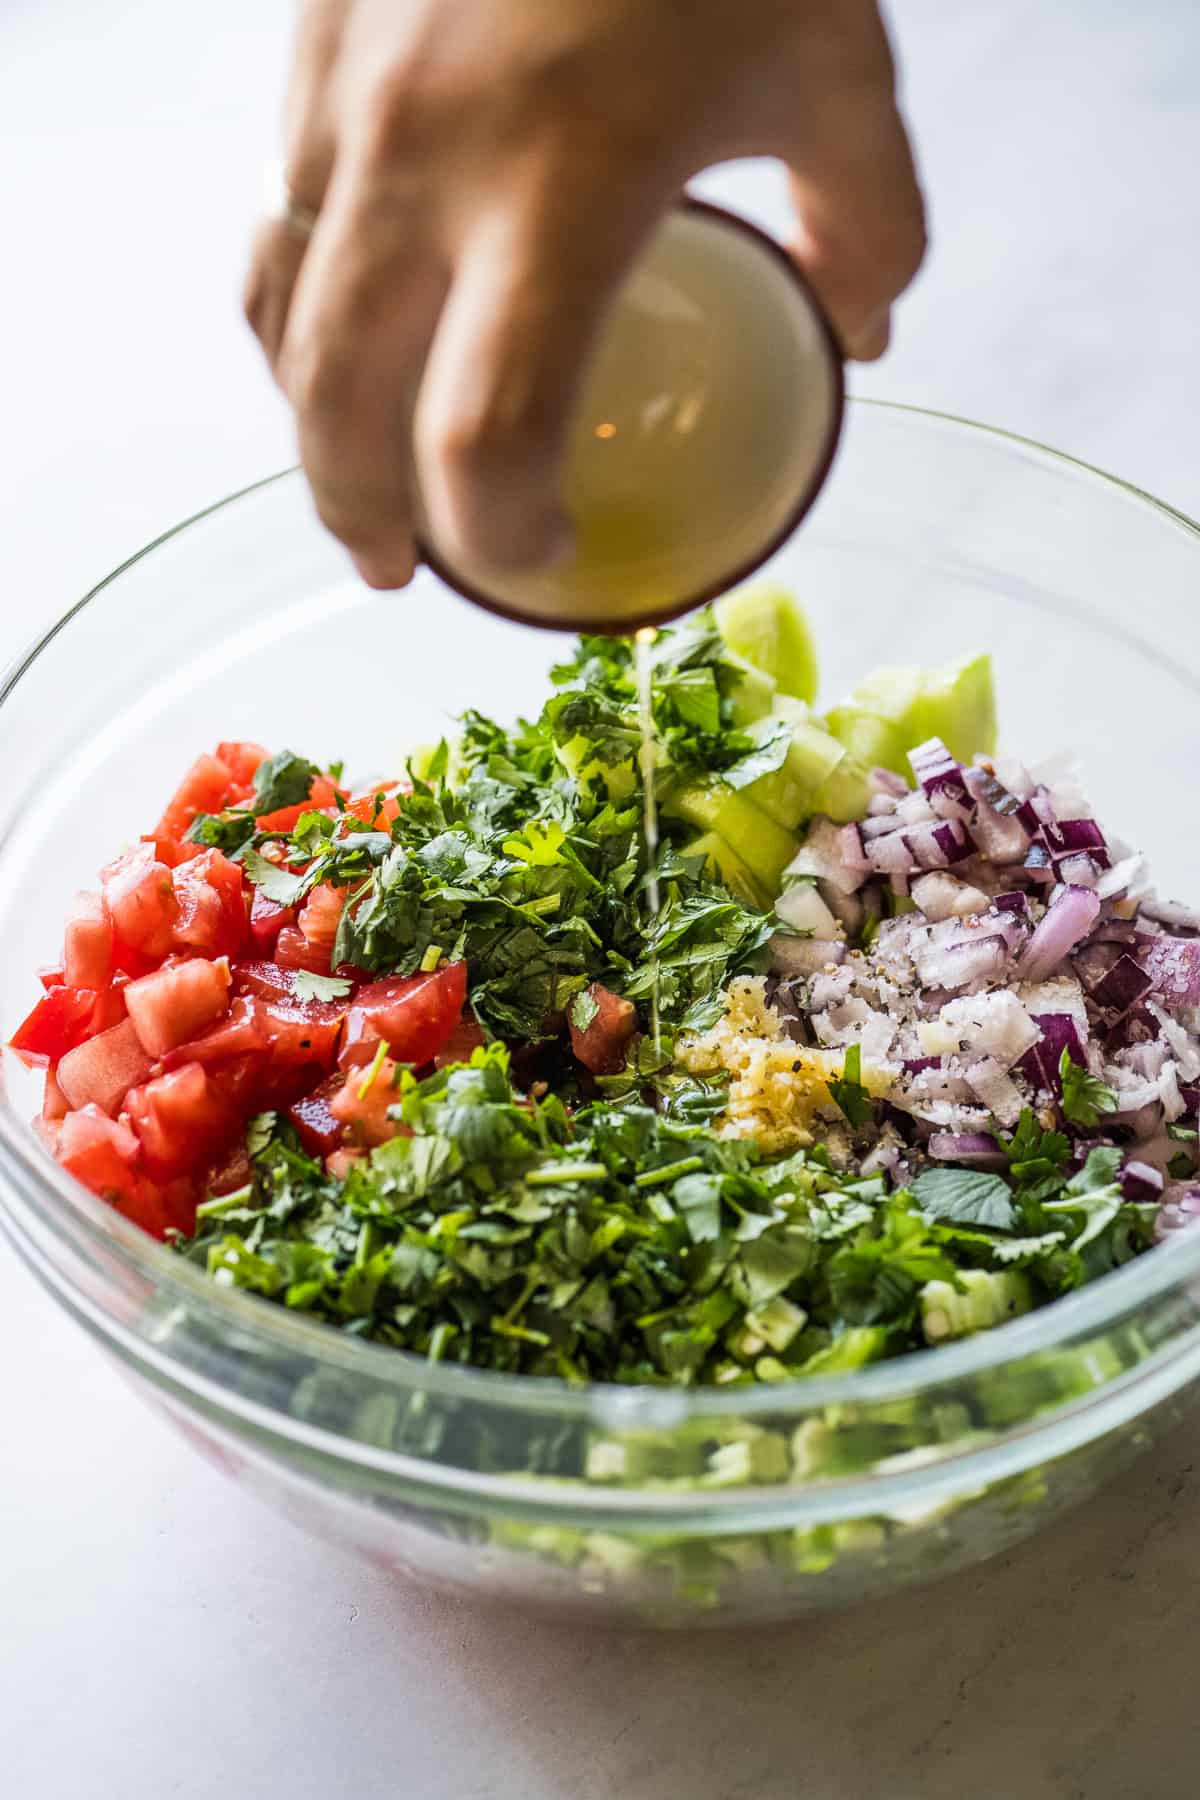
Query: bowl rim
[[71, 1212]]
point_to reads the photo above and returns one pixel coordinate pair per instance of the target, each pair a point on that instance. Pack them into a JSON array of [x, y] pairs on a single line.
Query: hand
[[485, 174]]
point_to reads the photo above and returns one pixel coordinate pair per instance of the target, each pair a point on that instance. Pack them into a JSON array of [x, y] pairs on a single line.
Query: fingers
[[309, 134], [532, 283], [357, 334], [860, 219]]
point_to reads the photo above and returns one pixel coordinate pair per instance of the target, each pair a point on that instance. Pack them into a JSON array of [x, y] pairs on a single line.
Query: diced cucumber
[[958, 705], [869, 737], [765, 847], [768, 627], [844, 794], [753, 694], [787, 795], [729, 868]]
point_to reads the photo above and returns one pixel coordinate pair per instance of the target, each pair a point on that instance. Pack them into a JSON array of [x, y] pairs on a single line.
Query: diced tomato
[[99, 1151], [242, 760], [293, 951], [321, 794], [240, 1033], [227, 1173], [60, 1020], [318, 1130], [415, 1014], [464, 1040], [321, 915], [88, 943], [266, 1017], [204, 789], [52, 977], [180, 1120], [177, 1001], [362, 1105], [210, 895], [601, 1045], [54, 1101], [140, 897], [101, 1071], [267, 919], [378, 818]]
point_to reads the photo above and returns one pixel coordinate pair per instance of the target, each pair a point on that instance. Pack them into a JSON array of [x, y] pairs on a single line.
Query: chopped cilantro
[[282, 780], [1083, 1097], [849, 1095], [321, 987], [965, 1197]]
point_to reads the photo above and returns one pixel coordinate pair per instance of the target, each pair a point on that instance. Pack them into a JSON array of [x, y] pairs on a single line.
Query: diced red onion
[[1076, 834], [891, 854], [1123, 986], [1079, 869], [1141, 1182], [850, 849], [1015, 902], [916, 1065], [1179, 1212], [977, 958], [975, 1149], [1173, 965], [1060, 1031], [1069, 917]]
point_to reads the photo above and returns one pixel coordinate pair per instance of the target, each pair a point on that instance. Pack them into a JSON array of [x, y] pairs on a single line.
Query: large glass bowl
[[934, 537]]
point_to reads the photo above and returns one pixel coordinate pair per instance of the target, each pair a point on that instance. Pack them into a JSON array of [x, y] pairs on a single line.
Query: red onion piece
[[1123, 986], [1173, 965], [1069, 917], [1060, 1031], [976, 1149], [1141, 1181]]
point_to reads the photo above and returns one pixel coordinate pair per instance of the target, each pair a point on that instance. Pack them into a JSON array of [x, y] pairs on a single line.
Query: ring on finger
[[282, 206]]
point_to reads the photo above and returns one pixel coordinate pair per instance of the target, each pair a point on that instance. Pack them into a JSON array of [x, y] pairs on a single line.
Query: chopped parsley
[[1083, 1097]]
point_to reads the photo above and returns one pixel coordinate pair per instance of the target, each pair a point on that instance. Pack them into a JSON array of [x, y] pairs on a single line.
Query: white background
[[159, 1634]]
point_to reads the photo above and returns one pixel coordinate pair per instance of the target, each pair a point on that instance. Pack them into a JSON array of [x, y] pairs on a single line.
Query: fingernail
[[872, 338], [386, 575]]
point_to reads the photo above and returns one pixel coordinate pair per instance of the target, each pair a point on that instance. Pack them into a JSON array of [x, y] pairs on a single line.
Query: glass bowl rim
[[74, 1214]]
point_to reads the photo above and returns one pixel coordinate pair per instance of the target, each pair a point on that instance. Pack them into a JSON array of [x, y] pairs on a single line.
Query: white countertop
[[164, 1636]]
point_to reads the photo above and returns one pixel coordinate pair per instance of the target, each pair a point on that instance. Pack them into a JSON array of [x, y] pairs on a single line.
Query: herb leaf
[[321, 987], [849, 1095], [965, 1197], [1084, 1098], [282, 780]]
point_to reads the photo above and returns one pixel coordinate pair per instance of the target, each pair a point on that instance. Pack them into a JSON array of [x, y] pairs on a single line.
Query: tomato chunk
[[267, 919], [242, 759], [140, 896], [88, 943], [377, 817], [176, 1002], [101, 1071], [321, 916], [294, 951], [61, 1019], [319, 1131], [362, 1104], [211, 905], [600, 1046], [204, 789], [180, 1119], [464, 1040], [99, 1151], [414, 1014]]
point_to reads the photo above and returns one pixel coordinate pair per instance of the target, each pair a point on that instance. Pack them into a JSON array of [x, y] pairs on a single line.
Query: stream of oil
[[643, 645]]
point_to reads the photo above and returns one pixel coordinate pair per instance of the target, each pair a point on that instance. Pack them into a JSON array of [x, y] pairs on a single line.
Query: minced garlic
[[778, 1090]]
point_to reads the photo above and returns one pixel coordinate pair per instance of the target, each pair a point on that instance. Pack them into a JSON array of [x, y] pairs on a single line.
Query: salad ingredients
[[869, 1045]]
